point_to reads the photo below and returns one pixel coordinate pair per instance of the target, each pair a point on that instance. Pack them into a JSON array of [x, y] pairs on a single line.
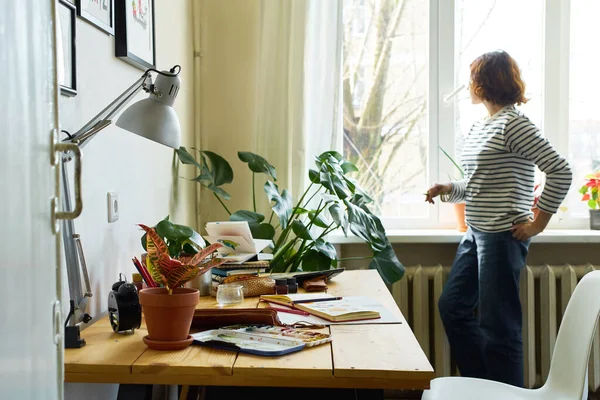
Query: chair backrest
[[568, 370]]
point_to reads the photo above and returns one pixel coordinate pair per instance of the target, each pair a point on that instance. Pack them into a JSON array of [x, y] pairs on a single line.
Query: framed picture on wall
[[99, 13], [134, 32], [66, 46]]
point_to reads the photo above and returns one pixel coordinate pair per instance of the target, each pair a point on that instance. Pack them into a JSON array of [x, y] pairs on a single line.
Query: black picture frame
[[122, 23], [92, 19], [68, 42]]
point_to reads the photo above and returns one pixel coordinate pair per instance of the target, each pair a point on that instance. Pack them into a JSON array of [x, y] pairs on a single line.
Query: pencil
[[317, 300]]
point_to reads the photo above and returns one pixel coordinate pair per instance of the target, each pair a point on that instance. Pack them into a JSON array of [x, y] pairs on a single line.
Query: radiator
[[545, 292]]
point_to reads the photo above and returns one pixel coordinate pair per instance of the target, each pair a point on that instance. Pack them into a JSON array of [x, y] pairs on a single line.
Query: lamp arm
[[103, 118]]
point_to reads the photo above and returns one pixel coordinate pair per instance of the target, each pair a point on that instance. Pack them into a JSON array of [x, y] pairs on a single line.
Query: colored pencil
[[141, 271], [144, 272], [290, 311]]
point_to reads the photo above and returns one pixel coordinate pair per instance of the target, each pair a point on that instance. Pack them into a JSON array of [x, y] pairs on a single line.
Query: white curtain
[[298, 85]]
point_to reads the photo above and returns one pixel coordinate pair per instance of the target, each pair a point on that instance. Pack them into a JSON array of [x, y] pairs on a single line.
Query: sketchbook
[[238, 245]]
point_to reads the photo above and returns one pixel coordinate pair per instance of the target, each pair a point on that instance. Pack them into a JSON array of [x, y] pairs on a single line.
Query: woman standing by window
[[499, 159]]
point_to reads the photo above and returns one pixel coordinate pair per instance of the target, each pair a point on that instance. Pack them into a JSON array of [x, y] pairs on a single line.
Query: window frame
[[441, 114]]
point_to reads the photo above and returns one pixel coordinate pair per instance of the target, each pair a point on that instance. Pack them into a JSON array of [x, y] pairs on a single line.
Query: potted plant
[[332, 201], [168, 310], [590, 194], [459, 208], [181, 240]]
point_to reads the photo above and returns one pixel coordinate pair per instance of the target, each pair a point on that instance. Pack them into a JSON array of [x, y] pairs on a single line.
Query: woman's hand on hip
[[436, 190], [526, 231]]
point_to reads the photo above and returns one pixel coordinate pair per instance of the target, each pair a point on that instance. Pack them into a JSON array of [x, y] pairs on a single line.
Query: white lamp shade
[[153, 120]]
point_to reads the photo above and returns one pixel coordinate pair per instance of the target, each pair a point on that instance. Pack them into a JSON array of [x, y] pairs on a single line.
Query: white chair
[[567, 379]]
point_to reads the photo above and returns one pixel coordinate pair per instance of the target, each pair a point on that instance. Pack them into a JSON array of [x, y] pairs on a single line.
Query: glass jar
[[230, 294]]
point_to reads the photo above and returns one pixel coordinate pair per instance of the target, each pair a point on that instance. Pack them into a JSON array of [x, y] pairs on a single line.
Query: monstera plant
[[332, 201]]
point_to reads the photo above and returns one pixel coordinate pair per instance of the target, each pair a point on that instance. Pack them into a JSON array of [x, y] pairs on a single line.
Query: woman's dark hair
[[496, 77]]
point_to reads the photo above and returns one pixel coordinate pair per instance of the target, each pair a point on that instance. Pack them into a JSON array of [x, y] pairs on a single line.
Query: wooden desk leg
[[134, 392], [190, 392]]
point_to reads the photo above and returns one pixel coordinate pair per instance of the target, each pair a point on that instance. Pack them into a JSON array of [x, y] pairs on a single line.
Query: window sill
[[453, 236]]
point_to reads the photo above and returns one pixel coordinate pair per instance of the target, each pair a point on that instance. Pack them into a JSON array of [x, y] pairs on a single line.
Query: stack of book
[[251, 268], [243, 253]]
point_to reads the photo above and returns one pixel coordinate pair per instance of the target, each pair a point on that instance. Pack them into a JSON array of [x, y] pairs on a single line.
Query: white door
[[30, 358]]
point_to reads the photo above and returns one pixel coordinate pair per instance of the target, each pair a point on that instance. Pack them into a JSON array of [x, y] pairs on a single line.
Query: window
[[403, 65], [584, 119], [386, 81]]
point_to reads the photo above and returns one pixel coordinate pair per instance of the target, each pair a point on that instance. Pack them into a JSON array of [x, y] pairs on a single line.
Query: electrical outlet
[[113, 206]]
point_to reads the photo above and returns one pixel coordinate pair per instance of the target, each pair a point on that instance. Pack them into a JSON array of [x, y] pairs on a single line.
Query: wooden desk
[[360, 356]]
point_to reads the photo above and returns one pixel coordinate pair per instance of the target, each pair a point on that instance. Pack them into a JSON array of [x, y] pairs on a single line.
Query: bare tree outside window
[[385, 83]]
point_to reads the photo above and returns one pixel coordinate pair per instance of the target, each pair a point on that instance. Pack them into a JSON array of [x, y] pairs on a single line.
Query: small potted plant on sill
[[590, 194], [459, 208], [169, 309]]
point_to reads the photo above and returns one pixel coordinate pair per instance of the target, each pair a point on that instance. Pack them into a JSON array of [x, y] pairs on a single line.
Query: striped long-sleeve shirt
[[499, 159]]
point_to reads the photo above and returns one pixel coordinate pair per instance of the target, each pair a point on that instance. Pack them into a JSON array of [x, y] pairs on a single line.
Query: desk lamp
[[153, 118]]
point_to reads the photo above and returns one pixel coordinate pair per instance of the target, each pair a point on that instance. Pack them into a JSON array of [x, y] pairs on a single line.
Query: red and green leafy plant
[[175, 272], [590, 190]]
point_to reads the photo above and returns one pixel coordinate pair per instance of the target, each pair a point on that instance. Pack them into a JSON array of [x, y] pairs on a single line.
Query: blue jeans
[[485, 277]]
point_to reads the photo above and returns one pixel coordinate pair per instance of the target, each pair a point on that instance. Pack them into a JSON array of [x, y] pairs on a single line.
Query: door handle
[[76, 152]]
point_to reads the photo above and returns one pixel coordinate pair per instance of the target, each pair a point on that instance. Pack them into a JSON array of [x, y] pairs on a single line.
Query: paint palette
[[247, 342]]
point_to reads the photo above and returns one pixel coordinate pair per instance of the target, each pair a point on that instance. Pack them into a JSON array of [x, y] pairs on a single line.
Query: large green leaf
[[364, 225], [301, 230], [313, 176], [282, 203], [339, 216], [334, 182], [326, 248], [348, 167], [318, 219], [388, 265], [328, 155], [178, 237], [169, 230], [214, 170], [186, 158], [328, 198], [219, 191], [257, 163], [313, 260], [262, 231], [250, 216], [220, 170]]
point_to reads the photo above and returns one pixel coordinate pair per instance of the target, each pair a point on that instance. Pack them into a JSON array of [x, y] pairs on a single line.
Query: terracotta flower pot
[[168, 317], [460, 217]]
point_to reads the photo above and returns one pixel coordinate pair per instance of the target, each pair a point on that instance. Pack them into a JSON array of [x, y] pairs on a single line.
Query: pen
[[290, 311], [317, 300]]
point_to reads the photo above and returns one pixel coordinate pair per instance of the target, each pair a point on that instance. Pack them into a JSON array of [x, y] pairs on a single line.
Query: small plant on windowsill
[[590, 194], [460, 207], [169, 309], [299, 231]]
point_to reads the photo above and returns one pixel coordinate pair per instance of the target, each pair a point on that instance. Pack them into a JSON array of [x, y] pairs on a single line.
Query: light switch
[[113, 206]]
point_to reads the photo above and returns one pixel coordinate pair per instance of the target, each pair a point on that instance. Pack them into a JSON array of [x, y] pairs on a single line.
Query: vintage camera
[[124, 308]]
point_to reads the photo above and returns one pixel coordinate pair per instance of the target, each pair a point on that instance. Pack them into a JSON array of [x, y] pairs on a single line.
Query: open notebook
[[344, 309]]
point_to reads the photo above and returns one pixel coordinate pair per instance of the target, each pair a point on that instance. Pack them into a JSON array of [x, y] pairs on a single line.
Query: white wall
[[116, 160]]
